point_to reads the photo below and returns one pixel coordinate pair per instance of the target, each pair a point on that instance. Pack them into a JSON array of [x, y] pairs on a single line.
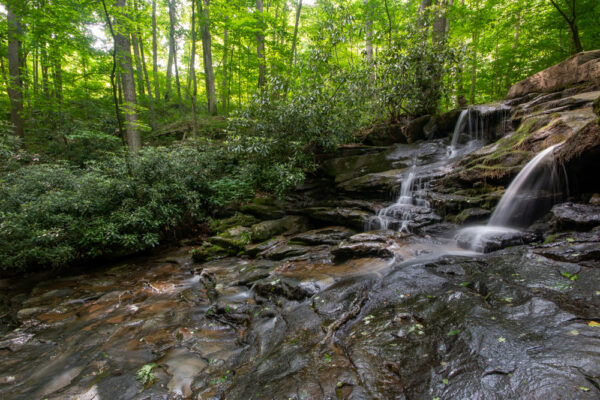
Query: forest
[[299, 199]]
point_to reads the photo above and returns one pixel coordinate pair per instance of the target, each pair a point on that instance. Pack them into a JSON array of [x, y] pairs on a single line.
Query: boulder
[[485, 239], [264, 208], [582, 67], [238, 219], [287, 225], [349, 217], [579, 217], [377, 244], [283, 251], [472, 215], [376, 185], [441, 126], [415, 129], [342, 169], [384, 135], [209, 251], [332, 235]]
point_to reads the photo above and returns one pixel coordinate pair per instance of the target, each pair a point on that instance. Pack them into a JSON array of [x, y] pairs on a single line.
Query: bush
[[56, 214]]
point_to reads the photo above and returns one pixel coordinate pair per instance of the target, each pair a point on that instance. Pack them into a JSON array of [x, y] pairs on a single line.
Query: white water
[[516, 200], [525, 182], [474, 125], [401, 213]]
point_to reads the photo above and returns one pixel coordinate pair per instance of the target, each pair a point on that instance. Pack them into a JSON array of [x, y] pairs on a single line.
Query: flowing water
[[477, 126], [530, 194]]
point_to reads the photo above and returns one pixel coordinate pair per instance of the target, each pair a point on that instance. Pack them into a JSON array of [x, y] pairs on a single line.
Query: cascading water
[[478, 125], [410, 202], [529, 195]]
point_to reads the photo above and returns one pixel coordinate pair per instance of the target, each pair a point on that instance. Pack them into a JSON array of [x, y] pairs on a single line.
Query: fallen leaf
[[501, 339], [594, 324], [574, 332]]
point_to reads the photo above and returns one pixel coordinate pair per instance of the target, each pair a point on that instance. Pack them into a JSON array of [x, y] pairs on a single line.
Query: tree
[[155, 53], [207, 56], [15, 83], [570, 15], [123, 56], [260, 48], [295, 39]]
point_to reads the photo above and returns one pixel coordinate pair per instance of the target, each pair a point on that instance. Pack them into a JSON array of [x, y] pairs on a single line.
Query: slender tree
[[209, 75], [155, 53], [15, 84], [368, 31], [260, 47], [123, 56], [295, 38]]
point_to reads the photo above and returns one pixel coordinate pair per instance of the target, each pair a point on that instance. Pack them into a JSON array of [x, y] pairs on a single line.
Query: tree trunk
[[211, 94], [295, 38], [260, 48], [148, 87], [571, 17], [44, 62], [138, 65], [155, 53], [224, 94], [475, 38], [172, 54], [57, 77], [193, 72], [123, 52], [368, 32], [15, 87], [389, 18]]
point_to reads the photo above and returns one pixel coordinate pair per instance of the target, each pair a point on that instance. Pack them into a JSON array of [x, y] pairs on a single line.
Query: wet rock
[[208, 252], [472, 215], [239, 219], [233, 240], [332, 235], [595, 199], [582, 67], [289, 288], [287, 225], [370, 244], [349, 217], [488, 239], [572, 216], [384, 135], [284, 251], [15, 340], [265, 208], [441, 126], [415, 129], [376, 185], [27, 313], [254, 250], [349, 167]]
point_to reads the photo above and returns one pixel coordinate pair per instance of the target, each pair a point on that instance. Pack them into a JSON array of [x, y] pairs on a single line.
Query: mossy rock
[[239, 219], [209, 251], [287, 225], [234, 239], [264, 208]]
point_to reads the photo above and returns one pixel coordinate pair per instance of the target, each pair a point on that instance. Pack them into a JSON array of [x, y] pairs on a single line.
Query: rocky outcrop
[[582, 67], [579, 217]]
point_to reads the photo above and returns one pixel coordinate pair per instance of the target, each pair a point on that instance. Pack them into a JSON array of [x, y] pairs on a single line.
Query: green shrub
[[56, 214]]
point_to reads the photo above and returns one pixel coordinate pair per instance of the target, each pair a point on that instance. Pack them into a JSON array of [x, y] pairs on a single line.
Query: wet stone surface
[[432, 322]]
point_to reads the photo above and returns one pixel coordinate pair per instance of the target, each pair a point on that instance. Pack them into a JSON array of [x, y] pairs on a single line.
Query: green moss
[[239, 219], [209, 251]]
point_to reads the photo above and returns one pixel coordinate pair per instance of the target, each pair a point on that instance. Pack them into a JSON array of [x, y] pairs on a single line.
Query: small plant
[[145, 374]]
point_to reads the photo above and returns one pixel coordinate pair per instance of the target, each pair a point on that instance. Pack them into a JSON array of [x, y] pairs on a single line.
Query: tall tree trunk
[[224, 94], [44, 62], [211, 94], [172, 52], [368, 32], [193, 72], [123, 53], [295, 38], [475, 38], [15, 87], [148, 87], [57, 77], [260, 48], [138, 65], [155, 53], [389, 18], [440, 23]]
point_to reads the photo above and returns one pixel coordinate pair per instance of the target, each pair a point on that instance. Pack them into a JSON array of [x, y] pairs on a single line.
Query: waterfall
[[477, 125], [538, 174], [531, 193], [399, 215]]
